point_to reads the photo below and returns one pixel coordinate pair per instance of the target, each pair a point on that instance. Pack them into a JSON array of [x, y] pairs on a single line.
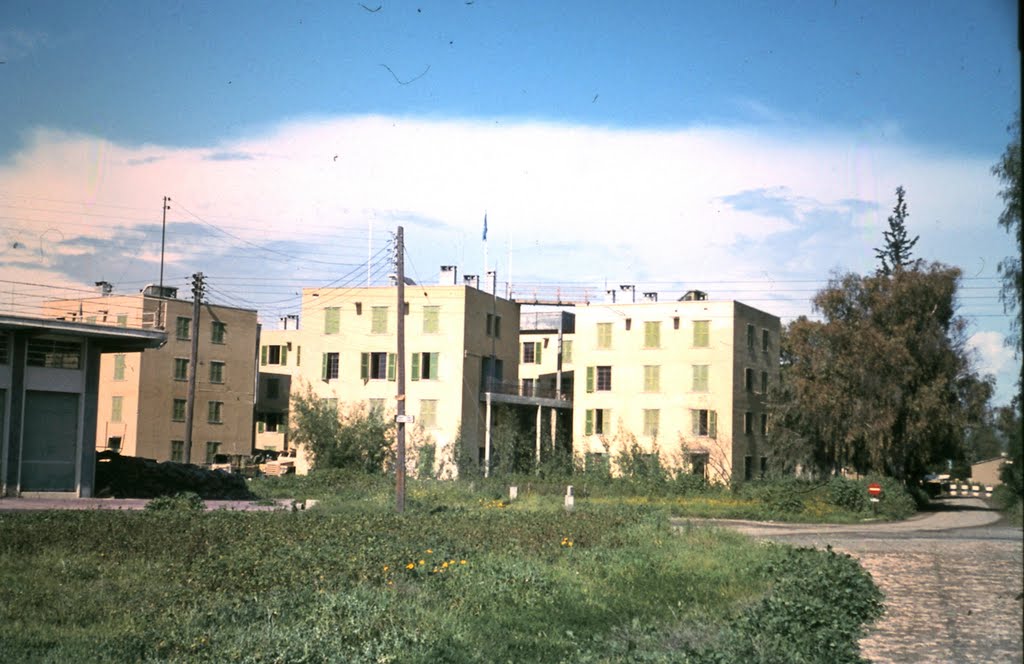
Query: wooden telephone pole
[[400, 419], [193, 363]]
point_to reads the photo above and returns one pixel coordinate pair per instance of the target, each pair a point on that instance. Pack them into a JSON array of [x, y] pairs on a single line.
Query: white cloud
[[993, 356]]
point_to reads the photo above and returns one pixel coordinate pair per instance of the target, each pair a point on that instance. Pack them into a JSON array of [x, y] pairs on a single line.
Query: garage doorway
[[50, 441]]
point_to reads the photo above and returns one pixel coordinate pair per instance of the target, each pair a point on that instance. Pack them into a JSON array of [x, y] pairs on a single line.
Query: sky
[[751, 150]]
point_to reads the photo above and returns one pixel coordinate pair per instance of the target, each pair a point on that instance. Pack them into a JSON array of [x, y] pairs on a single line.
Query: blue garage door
[[50, 442]]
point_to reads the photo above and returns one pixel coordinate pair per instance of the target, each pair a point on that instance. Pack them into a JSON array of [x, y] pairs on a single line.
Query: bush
[[848, 494], [183, 502], [359, 438]]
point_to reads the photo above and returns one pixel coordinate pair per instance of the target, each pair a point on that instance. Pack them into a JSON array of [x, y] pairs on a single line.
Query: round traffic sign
[[874, 489]]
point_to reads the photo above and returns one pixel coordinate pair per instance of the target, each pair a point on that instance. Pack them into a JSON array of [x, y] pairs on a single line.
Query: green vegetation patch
[[487, 584]]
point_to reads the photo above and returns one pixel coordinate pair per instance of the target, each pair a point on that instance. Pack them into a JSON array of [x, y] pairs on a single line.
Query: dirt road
[[952, 580]]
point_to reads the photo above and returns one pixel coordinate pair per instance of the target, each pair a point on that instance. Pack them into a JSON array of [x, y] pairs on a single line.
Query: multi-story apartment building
[[143, 396], [686, 380], [460, 341], [280, 364]]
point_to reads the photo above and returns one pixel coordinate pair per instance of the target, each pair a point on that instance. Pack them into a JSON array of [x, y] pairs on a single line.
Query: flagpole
[[484, 275]]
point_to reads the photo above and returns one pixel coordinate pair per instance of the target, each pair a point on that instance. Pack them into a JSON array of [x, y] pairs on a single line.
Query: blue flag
[[485, 227]]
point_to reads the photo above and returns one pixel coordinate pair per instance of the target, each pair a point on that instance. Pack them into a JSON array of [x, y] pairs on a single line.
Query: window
[[705, 423], [178, 451], [329, 368], [748, 468], [122, 320], [424, 366], [764, 340], [764, 382], [597, 421], [379, 320], [532, 352], [748, 380], [182, 327], [178, 410], [764, 466], [212, 450], [180, 368], [332, 320], [675, 322], [359, 308], [698, 463], [377, 366], [567, 351], [114, 443], [748, 423], [652, 334], [428, 413], [604, 335], [599, 379], [431, 319], [273, 388], [54, 354], [494, 326], [116, 405], [119, 366], [271, 423], [750, 337], [376, 406], [216, 372], [528, 385], [700, 377], [218, 331], [652, 378], [274, 355], [651, 418], [629, 324], [701, 333], [215, 412], [3, 349], [764, 424]]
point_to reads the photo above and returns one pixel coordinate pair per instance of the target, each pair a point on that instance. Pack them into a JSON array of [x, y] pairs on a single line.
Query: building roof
[[113, 338]]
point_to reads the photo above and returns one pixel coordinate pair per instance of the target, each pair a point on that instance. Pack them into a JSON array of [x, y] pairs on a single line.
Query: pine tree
[[895, 255]]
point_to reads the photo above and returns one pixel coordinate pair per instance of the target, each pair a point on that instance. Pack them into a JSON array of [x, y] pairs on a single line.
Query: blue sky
[[746, 148]]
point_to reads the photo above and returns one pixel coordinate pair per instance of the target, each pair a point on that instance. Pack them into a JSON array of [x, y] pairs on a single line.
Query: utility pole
[[400, 374], [163, 241], [193, 363]]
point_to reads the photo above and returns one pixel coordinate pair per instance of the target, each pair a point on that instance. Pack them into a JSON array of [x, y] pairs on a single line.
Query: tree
[[884, 382], [895, 255], [1008, 171], [356, 438]]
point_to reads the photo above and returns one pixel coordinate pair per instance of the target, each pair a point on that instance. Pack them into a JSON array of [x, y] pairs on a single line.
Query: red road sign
[[874, 489]]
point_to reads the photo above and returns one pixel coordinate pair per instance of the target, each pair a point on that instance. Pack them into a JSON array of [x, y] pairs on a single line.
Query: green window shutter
[[391, 366], [260, 427], [323, 369], [588, 427], [364, 366], [415, 366], [712, 424], [536, 353], [695, 422], [263, 355], [590, 379], [434, 358], [284, 355]]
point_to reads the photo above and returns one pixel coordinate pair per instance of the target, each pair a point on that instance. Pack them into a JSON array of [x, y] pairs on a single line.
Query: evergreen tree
[[1008, 170], [895, 255]]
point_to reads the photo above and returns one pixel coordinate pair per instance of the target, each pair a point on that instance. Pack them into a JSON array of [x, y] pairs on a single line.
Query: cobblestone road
[[952, 581]]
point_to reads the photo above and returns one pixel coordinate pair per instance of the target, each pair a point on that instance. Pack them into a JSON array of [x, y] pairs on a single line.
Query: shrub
[[186, 501], [357, 438], [848, 494]]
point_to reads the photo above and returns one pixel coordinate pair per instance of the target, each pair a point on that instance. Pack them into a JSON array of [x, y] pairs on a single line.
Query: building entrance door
[[50, 441]]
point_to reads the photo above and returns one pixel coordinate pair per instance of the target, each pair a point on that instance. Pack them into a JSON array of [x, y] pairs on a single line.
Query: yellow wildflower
[[430, 550], [410, 566], [423, 562], [386, 568], [462, 562]]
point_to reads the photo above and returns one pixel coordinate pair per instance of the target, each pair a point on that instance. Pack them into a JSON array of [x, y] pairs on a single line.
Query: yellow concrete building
[[460, 341], [280, 358], [142, 396], [686, 380]]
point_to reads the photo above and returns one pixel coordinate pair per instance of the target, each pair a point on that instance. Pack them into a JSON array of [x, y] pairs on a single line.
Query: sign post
[[875, 492]]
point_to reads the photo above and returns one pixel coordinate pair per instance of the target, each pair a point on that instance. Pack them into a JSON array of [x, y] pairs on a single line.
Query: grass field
[[463, 576]]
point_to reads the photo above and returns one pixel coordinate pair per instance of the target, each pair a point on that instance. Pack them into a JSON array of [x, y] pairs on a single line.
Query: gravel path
[[952, 580]]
